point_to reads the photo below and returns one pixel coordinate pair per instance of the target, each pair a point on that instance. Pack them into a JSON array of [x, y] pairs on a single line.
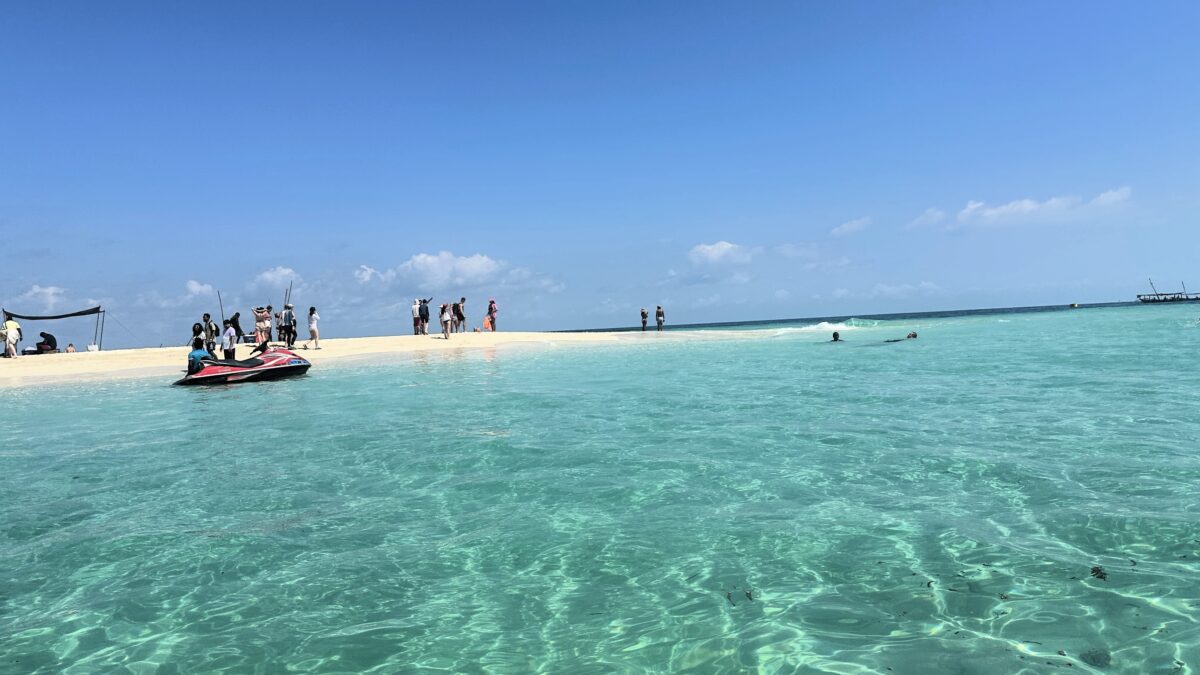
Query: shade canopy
[[29, 317]]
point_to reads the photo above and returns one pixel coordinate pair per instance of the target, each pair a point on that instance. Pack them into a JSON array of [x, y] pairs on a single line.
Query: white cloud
[[782, 294], [1053, 209], [195, 288], [366, 274], [720, 252], [931, 216], [443, 270], [1109, 197], [851, 226], [278, 277], [48, 296]]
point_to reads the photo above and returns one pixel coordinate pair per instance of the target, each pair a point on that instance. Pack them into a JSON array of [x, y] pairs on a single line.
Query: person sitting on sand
[[48, 344], [70, 347], [837, 337], [197, 356]]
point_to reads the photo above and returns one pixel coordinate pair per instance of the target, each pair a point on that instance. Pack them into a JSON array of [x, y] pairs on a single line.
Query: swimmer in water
[[910, 336], [837, 337]]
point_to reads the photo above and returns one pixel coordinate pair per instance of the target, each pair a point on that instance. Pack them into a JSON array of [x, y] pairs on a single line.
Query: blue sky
[[581, 160]]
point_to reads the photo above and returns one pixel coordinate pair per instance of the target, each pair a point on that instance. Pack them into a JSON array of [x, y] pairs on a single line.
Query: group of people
[[660, 317], [451, 315], [266, 322], [11, 335]]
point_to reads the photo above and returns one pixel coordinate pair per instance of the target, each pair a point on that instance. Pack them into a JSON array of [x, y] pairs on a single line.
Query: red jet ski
[[272, 364]]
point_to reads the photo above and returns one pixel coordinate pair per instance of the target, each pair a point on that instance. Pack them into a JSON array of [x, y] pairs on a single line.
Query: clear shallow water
[[924, 507]]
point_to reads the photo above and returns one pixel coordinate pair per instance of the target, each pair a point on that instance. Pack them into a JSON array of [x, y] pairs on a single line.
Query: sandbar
[[170, 361]]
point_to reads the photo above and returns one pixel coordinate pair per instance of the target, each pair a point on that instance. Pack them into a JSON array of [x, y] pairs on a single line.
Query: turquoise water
[[757, 500]]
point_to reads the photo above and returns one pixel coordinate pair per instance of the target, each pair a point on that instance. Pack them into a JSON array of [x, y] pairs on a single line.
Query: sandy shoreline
[[170, 361]]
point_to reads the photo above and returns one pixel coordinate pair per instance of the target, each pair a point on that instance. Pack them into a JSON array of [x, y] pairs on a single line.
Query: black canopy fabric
[[83, 312]]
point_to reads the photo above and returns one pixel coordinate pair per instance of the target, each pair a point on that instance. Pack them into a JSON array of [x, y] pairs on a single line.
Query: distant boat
[[1183, 296]]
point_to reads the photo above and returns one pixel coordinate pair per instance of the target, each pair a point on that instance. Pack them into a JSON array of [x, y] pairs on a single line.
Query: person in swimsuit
[[645, 317], [837, 337], [660, 317]]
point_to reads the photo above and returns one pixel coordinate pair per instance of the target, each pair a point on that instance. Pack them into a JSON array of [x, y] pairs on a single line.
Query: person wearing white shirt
[[229, 341], [314, 335]]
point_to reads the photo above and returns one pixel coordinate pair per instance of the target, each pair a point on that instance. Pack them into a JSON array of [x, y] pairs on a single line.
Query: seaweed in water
[[1099, 573], [1097, 658]]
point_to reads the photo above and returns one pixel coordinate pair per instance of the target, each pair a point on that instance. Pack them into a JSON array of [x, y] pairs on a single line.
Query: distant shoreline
[[841, 318]]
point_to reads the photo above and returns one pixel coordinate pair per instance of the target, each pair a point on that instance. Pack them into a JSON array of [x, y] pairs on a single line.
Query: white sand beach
[[168, 361]]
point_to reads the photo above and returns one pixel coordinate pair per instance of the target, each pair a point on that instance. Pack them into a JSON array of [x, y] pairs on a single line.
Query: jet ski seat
[[244, 363]]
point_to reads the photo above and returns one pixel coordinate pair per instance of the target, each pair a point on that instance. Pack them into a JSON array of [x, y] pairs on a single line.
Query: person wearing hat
[[287, 325], [645, 317], [416, 312], [262, 325]]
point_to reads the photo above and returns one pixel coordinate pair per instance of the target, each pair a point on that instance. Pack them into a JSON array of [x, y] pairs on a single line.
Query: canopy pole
[[100, 344], [222, 302]]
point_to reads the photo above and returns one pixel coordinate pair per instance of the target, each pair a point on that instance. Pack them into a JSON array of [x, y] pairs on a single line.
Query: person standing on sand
[[314, 335], [645, 317], [416, 316], [425, 316], [229, 341], [492, 311], [445, 317], [262, 325], [211, 332], [454, 318], [236, 322], [660, 317], [287, 330], [461, 314], [12, 335]]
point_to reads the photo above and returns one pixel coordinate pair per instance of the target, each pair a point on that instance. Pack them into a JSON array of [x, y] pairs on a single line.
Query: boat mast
[[1152, 285]]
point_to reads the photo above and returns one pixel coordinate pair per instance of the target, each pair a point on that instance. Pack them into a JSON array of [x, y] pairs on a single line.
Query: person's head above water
[[837, 337], [912, 335]]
